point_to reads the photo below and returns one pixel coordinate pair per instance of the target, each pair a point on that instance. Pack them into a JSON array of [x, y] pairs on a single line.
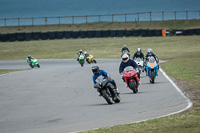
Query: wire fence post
[[18, 21], [138, 17], [45, 20], [86, 19], [32, 21], [150, 17], [59, 19], [99, 18], [112, 18], [175, 15], [72, 19], [5, 22], [163, 17], [186, 16], [125, 17]]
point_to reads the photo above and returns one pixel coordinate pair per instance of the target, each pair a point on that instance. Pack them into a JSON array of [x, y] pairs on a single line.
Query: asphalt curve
[[59, 97]]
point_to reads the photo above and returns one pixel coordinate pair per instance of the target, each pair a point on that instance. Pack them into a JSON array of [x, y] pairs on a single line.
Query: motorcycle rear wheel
[[107, 97], [118, 99]]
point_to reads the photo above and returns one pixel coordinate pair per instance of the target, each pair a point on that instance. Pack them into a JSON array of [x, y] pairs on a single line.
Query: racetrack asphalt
[[59, 97]]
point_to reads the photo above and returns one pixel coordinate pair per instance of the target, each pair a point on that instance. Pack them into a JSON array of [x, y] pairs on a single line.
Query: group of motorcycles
[[89, 59], [132, 77]]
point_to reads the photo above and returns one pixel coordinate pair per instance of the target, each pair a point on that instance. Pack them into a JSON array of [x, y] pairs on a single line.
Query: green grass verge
[[181, 51], [8, 71], [169, 25], [187, 122]]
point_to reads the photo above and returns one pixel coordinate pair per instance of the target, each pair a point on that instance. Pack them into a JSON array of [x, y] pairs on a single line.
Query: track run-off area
[[59, 97]]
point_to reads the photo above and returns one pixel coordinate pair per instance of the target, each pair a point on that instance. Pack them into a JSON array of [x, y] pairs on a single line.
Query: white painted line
[[176, 87]]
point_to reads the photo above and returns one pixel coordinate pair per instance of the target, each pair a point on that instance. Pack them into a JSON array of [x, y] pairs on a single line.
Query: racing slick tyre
[[152, 77], [107, 97], [118, 98], [133, 87]]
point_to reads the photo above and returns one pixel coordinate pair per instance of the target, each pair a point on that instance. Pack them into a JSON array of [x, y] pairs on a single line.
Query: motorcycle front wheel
[[118, 98], [152, 77], [133, 87], [107, 97]]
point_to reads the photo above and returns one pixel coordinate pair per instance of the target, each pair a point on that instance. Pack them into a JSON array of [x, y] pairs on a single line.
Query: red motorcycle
[[131, 78]]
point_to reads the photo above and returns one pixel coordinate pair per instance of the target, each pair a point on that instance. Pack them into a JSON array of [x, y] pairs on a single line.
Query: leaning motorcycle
[[90, 59], [106, 92], [81, 60], [33, 63], [139, 62], [131, 78], [152, 69]]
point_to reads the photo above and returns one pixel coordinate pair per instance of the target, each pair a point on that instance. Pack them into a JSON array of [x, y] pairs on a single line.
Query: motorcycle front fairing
[[152, 66], [130, 75], [34, 62]]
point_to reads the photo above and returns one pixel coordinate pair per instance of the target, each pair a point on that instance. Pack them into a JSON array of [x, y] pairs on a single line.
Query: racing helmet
[[95, 70], [125, 58], [150, 51], [124, 46], [85, 52], [139, 51], [29, 56], [80, 51]]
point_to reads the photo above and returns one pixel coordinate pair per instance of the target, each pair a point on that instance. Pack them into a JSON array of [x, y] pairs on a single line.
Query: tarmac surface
[[59, 97]]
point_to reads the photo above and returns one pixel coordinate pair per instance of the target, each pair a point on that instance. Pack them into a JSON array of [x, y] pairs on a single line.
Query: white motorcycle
[[139, 62]]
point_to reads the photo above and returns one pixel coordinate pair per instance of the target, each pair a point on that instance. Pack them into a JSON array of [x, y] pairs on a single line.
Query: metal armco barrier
[[94, 34]]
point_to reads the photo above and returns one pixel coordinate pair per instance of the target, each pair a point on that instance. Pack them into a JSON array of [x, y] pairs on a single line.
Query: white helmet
[[139, 51], [85, 52], [125, 58]]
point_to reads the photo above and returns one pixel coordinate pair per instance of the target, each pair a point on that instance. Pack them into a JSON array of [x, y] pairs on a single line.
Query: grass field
[[182, 53]]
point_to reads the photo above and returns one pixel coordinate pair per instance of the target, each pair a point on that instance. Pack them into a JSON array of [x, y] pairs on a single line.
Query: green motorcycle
[[81, 59], [33, 63]]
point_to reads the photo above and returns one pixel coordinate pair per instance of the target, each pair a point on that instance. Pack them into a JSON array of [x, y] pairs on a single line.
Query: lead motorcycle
[[152, 69], [106, 92], [81, 59], [131, 78]]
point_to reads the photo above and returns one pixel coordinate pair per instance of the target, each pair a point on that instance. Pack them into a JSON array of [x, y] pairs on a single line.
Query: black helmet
[[29, 56], [95, 70]]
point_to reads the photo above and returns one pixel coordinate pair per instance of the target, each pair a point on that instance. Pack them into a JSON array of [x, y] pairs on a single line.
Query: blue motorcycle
[[152, 69]]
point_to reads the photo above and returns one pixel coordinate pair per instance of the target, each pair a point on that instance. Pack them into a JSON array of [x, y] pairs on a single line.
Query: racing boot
[[99, 92]]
